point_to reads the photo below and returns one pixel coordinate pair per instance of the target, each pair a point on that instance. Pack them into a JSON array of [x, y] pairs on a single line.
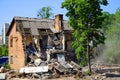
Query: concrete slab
[[34, 69], [2, 76]]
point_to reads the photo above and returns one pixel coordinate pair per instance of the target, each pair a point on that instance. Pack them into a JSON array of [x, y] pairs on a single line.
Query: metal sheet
[[34, 69]]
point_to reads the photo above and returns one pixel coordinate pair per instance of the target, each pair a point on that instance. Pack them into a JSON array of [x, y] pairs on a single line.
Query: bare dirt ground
[[104, 71], [100, 71]]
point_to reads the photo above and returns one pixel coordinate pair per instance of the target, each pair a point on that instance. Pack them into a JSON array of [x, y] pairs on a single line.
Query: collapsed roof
[[35, 23]]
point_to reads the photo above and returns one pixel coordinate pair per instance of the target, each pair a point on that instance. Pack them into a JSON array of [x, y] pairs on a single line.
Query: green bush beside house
[[3, 50]]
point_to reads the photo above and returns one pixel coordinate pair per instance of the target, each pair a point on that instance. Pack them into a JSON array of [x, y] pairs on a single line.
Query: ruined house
[[43, 34]]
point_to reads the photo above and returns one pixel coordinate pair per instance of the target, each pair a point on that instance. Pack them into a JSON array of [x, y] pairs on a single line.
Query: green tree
[[112, 43], [1, 51], [45, 12], [85, 17], [4, 50], [108, 20]]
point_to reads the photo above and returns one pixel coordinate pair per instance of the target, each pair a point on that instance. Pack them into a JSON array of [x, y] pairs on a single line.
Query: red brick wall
[[58, 19], [16, 51]]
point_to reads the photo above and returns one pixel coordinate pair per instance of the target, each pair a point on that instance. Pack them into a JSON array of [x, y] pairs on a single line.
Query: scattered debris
[[54, 67]]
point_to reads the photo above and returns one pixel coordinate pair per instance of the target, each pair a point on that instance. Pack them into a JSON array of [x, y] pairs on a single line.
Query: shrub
[[6, 65], [3, 50]]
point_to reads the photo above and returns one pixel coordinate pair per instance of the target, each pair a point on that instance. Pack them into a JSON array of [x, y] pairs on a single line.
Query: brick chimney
[[59, 22]]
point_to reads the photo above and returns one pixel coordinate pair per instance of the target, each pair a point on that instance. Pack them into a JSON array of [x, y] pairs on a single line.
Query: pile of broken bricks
[[48, 69]]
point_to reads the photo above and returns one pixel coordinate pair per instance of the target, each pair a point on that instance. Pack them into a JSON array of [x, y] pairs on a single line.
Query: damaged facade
[[31, 39]]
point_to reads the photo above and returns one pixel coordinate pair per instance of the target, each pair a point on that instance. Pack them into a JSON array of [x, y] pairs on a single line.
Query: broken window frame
[[11, 41]]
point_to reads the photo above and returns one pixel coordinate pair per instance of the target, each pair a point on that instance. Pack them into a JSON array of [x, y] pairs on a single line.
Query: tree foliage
[[3, 50], [112, 43], [45, 12], [108, 20], [85, 17]]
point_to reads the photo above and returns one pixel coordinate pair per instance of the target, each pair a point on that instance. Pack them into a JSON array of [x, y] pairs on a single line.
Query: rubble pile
[[55, 66]]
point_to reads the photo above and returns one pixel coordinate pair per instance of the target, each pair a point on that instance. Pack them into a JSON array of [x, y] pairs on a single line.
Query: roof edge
[[10, 27]]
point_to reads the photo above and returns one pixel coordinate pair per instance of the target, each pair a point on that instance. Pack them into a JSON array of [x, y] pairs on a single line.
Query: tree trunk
[[88, 54]]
